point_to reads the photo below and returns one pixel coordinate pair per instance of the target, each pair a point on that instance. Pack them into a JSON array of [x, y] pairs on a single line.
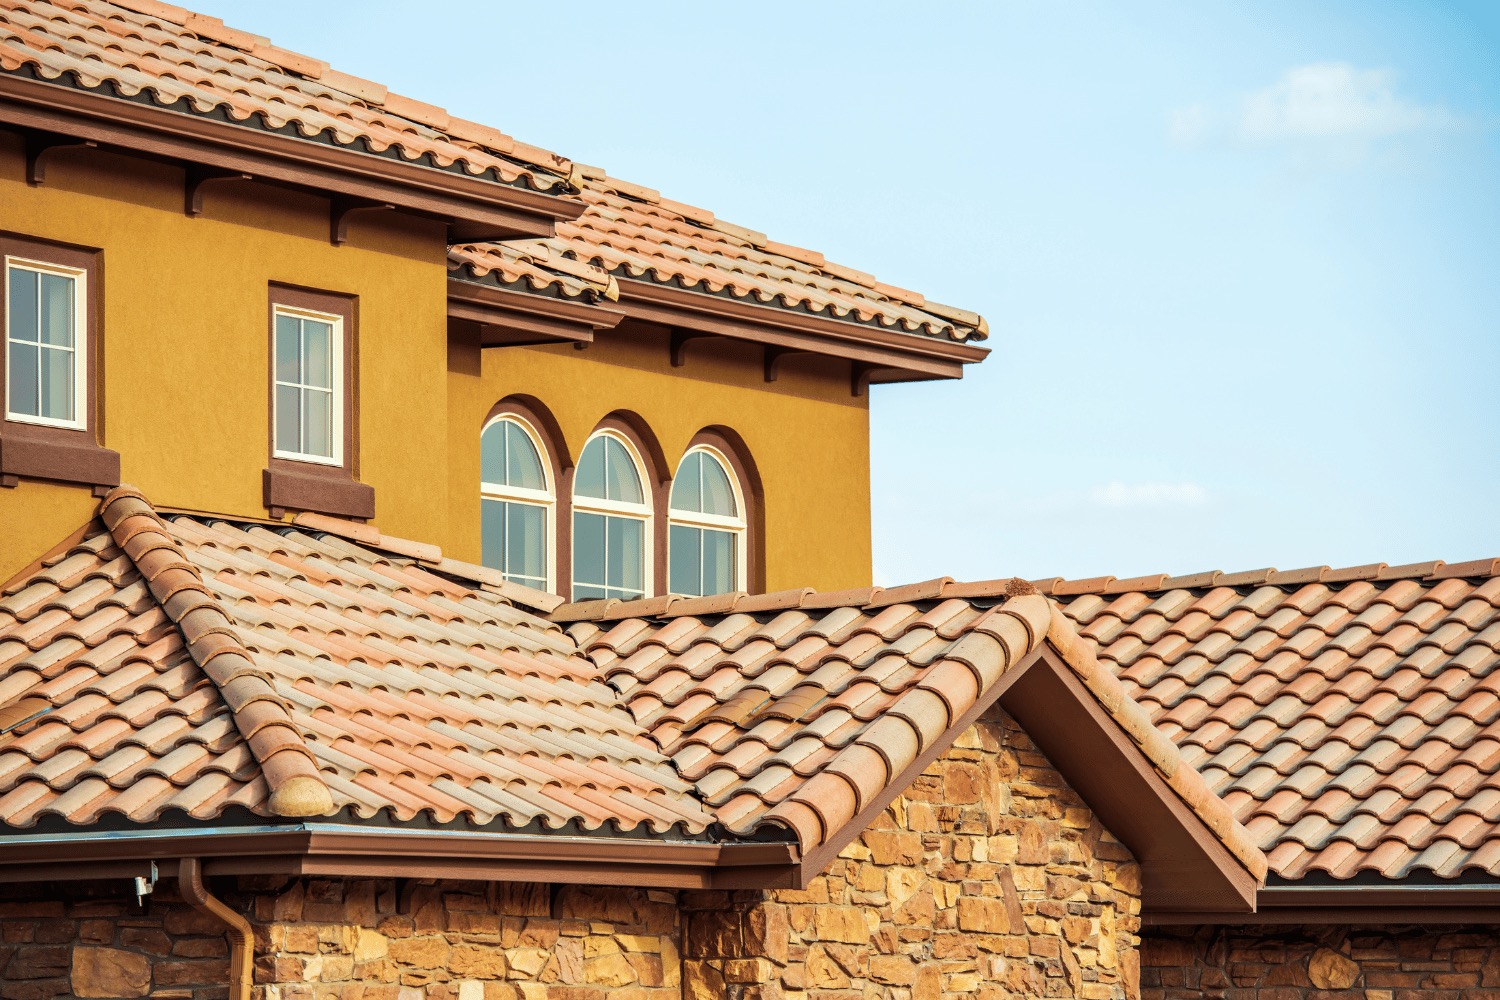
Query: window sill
[[318, 489], [59, 454]]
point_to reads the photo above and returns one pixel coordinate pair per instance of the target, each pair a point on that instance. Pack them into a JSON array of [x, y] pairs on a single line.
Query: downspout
[[241, 939]]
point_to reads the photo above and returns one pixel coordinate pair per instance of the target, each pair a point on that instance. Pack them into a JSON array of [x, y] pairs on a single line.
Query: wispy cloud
[[1122, 494], [1329, 103]]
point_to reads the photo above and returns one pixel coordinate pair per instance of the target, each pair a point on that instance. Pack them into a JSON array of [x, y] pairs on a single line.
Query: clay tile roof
[[801, 719], [141, 49], [176, 664], [1348, 716]]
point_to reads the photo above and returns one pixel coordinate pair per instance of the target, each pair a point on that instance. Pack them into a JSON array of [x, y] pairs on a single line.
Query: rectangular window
[[313, 404], [45, 344], [309, 390]]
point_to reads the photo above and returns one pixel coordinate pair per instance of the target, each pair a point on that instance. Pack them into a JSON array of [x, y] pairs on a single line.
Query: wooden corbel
[[774, 356], [679, 344], [40, 144], [339, 210], [197, 179], [859, 378]]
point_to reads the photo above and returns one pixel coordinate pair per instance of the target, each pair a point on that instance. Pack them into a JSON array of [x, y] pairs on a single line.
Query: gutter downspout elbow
[[241, 939]]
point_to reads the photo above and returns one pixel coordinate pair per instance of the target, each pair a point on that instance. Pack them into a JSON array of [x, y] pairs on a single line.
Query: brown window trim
[[59, 453], [560, 465], [293, 485], [658, 481], [729, 444]]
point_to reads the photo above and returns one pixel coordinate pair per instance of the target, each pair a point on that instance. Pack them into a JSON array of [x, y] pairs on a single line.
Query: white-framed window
[[706, 527], [46, 360], [517, 502], [611, 521], [308, 390]]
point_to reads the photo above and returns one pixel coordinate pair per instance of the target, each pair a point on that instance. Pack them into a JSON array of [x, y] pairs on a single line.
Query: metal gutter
[[241, 937]]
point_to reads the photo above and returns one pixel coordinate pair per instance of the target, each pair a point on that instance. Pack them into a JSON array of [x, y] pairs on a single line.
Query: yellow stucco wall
[[807, 436], [185, 366]]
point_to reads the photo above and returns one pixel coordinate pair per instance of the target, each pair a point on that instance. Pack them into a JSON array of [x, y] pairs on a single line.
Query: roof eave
[[1185, 867], [341, 849], [472, 208], [1390, 902], [508, 317]]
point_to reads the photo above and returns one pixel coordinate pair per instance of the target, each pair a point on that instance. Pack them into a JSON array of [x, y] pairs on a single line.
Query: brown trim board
[[341, 849], [474, 209], [511, 318], [888, 355]]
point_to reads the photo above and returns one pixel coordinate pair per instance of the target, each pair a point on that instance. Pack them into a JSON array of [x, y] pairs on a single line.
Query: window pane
[[288, 418], [589, 480], [718, 494], [685, 492], [523, 465], [492, 534], [492, 455], [25, 310], [718, 562], [318, 414], [23, 378], [317, 354], [626, 556], [57, 384], [526, 535], [682, 546], [57, 310], [623, 483], [588, 551], [288, 349]]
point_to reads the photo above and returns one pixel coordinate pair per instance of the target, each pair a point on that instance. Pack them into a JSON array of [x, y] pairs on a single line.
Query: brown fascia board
[[353, 851], [892, 355], [1355, 904], [1184, 867], [508, 317], [474, 208]]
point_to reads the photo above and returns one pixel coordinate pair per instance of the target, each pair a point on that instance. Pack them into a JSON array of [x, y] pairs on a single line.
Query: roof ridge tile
[[290, 769]]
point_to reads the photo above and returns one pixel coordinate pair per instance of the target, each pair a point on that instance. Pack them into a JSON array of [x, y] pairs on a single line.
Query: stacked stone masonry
[[988, 879], [1322, 963]]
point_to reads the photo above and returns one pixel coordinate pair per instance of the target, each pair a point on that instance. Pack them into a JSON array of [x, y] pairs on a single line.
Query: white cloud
[[1122, 494], [1329, 103]]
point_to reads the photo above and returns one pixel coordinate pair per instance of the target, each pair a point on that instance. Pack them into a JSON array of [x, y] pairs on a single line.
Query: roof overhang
[[1359, 903], [1185, 868], [54, 115], [352, 850], [509, 317], [877, 353]]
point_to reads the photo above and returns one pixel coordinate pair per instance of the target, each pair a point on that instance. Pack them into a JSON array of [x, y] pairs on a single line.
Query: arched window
[[516, 502], [706, 540], [611, 521]]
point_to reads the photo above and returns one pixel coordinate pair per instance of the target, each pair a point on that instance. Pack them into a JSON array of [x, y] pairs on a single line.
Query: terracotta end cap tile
[[585, 611], [1474, 568], [781, 600], [907, 593], [1072, 588], [713, 604], [854, 598], [1349, 574], [1297, 577], [1247, 578], [1149, 583]]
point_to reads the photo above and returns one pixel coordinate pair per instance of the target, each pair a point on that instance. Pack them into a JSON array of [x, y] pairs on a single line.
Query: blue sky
[[1241, 263]]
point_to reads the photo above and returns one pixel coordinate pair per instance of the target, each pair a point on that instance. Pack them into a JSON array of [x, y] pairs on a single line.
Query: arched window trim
[[645, 512], [739, 525], [546, 499]]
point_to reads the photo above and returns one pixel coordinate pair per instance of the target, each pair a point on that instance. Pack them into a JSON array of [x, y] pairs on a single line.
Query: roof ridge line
[[259, 713], [1164, 755], [1434, 570]]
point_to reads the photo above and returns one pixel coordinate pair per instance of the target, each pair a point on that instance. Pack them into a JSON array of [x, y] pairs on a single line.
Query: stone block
[[109, 972]]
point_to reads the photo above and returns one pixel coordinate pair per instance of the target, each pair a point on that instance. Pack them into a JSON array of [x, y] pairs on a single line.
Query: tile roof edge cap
[[1186, 783], [290, 770]]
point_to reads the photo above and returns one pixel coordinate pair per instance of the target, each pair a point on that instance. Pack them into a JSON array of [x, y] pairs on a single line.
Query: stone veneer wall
[[988, 879], [1322, 963]]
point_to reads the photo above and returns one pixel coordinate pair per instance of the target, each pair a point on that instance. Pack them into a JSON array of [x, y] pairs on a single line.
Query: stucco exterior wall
[[1330, 962], [185, 363]]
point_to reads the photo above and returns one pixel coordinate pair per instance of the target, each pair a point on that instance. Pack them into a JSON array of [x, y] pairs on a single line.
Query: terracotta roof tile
[[1365, 696], [227, 663]]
